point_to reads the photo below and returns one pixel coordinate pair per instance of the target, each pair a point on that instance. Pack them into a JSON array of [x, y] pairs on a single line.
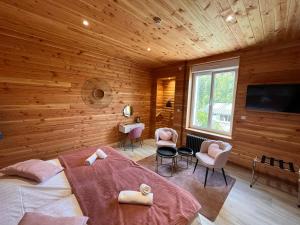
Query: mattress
[[53, 197]]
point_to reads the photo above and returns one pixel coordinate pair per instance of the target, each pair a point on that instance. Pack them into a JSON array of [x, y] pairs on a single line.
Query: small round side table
[[185, 152], [166, 152]]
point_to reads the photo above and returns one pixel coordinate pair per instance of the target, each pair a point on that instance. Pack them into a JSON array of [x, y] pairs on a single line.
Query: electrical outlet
[[243, 117]]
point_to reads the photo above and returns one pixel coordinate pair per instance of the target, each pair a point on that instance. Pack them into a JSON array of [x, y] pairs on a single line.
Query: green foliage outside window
[[222, 97]]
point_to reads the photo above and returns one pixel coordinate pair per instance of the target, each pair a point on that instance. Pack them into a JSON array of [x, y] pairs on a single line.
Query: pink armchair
[[218, 162], [169, 143]]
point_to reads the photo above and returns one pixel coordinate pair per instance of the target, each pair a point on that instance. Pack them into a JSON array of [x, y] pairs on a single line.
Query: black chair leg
[[224, 176], [195, 166], [206, 176]]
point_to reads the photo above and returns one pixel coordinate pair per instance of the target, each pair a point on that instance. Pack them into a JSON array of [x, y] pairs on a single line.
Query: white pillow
[[34, 169]]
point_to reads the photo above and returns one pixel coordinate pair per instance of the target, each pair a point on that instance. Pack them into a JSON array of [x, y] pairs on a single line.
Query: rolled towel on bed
[[145, 189], [135, 197], [101, 154], [90, 160]]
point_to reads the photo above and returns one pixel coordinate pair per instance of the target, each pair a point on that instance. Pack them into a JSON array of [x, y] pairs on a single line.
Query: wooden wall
[[165, 92], [273, 134], [41, 110]]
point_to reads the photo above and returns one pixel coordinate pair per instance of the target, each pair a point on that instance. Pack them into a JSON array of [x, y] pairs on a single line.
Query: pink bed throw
[[97, 188]]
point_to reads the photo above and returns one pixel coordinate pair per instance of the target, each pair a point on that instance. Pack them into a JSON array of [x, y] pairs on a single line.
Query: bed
[[54, 197]]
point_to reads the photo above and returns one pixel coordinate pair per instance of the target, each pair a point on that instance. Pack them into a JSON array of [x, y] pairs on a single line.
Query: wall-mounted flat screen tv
[[274, 98]]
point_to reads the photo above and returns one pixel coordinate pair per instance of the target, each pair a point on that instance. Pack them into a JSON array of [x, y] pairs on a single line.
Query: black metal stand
[[276, 164], [173, 164]]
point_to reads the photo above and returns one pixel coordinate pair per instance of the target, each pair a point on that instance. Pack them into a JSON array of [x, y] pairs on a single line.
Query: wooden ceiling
[[125, 28]]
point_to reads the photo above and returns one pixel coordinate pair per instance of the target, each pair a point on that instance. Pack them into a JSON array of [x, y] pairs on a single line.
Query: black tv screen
[[274, 98]]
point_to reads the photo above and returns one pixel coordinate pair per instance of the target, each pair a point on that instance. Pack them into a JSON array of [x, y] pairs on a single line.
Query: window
[[212, 96]]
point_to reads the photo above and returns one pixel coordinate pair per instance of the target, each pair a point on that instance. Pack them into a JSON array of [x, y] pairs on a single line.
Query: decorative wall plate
[[96, 93]]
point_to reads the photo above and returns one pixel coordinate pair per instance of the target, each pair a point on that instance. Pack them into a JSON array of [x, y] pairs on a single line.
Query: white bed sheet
[[53, 197]]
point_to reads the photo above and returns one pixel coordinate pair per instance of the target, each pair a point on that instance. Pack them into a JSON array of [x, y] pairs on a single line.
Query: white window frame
[[208, 69]]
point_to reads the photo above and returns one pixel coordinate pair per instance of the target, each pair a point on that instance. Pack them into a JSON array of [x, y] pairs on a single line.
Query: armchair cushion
[[214, 150], [165, 143], [205, 159], [165, 135]]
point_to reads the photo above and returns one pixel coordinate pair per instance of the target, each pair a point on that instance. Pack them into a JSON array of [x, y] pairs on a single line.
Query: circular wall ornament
[[96, 93]]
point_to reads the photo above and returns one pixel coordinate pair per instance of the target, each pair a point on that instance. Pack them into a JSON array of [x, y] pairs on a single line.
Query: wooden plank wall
[[273, 134], [41, 110], [165, 92]]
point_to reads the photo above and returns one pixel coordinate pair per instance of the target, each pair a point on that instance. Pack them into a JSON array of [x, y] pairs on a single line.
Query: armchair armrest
[[157, 135], [174, 136]]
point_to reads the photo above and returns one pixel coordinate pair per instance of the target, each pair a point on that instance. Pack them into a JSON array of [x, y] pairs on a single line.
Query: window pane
[[201, 102], [222, 101]]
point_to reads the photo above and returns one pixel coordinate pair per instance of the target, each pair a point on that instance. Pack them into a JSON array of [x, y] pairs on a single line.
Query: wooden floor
[[245, 206]]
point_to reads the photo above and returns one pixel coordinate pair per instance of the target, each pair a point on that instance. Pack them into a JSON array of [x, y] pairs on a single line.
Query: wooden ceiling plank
[[46, 29], [241, 15], [124, 29], [117, 24], [205, 15], [198, 35], [172, 24], [73, 22], [224, 11], [218, 26], [253, 11], [267, 12], [280, 13], [234, 26], [292, 22]]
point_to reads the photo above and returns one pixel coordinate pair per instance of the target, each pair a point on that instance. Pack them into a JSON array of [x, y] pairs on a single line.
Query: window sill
[[209, 133]]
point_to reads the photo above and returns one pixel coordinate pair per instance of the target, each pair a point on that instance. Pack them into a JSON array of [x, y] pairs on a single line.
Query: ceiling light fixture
[[148, 49], [230, 18], [85, 23]]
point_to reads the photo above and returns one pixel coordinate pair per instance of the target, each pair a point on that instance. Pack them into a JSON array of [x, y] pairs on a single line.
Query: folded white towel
[[101, 154], [90, 160], [145, 189], [135, 197]]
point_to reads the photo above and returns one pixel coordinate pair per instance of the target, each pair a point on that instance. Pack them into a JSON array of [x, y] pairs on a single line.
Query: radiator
[[194, 142]]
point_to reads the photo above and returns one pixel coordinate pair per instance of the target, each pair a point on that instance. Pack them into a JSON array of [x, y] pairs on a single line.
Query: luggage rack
[[276, 164]]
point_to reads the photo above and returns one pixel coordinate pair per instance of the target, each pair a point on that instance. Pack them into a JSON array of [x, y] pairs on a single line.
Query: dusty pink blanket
[[97, 188]]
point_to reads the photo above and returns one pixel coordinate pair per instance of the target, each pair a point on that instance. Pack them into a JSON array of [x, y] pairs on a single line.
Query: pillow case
[[34, 169], [33, 218], [165, 135], [214, 150]]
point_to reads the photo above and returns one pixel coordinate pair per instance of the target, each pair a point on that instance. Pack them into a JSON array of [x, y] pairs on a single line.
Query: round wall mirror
[[127, 111]]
